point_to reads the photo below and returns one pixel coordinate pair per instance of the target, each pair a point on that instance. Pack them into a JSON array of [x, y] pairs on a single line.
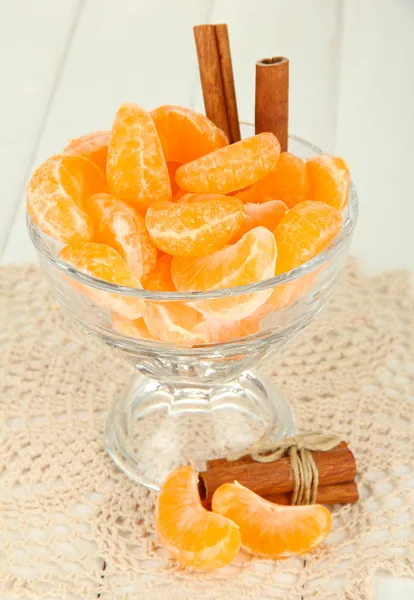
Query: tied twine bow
[[304, 469]]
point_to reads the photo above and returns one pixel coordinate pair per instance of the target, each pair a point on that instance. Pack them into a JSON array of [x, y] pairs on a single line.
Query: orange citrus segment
[[56, 194], [197, 538], [172, 169], [186, 135], [136, 169], [173, 322], [194, 228], [159, 279], [270, 530], [121, 227], [134, 328], [103, 262], [268, 214], [304, 231], [329, 180], [93, 146], [288, 181], [231, 168], [251, 259], [215, 330]]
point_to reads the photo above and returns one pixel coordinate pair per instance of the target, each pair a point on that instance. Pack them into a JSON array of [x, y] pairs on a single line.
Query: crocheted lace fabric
[[73, 527]]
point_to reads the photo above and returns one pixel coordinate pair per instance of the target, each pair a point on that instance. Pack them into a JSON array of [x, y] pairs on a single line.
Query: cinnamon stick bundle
[[274, 480]]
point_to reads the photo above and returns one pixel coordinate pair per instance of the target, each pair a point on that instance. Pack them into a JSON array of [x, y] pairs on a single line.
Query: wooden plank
[[33, 38], [308, 33], [128, 50], [376, 128]]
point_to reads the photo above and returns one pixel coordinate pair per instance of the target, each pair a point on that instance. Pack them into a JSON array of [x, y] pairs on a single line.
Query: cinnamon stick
[[335, 467], [272, 98], [343, 493], [217, 81], [223, 45]]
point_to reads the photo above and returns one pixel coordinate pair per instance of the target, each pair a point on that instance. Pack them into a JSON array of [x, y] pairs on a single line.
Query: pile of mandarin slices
[[163, 202]]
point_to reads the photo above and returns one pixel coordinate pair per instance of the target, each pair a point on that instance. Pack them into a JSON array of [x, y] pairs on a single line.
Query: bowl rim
[[82, 277]]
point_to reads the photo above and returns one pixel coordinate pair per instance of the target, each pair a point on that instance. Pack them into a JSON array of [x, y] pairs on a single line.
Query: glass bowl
[[197, 395]]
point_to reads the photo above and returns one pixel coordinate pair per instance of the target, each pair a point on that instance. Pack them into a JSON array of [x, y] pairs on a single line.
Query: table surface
[[65, 67]]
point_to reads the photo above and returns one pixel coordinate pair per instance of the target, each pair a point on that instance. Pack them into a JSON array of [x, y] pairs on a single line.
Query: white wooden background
[[65, 66]]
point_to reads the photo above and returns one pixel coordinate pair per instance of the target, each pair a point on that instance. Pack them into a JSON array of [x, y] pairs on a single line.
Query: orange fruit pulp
[[197, 538], [271, 530]]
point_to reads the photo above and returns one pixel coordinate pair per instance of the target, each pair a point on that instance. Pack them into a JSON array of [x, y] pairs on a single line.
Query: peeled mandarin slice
[[194, 228], [172, 169], [186, 135], [288, 181], [103, 262], [93, 146], [134, 328], [329, 180], [120, 226], [173, 322], [136, 169], [222, 330], [159, 279], [231, 168], [267, 215], [251, 259], [270, 530], [304, 231], [56, 193], [197, 538]]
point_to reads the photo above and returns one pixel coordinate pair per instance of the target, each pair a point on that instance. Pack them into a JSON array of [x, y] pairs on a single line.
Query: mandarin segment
[[186, 135], [288, 181], [270, 530], [215, 330], [251, 259], [196, 227], [172, 169], [159, 279], [329, 180], [304, 231], [231, 168], [268, 215], [56, 193], [103, 262], [174, 322], [118, 225], [93, 146], [136, 169], [197, 538], [134, 328]]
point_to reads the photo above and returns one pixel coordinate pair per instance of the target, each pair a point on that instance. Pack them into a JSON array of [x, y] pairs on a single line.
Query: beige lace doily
[[73, 527]]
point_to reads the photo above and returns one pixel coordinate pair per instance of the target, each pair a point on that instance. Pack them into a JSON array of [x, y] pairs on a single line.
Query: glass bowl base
[[154, 427]]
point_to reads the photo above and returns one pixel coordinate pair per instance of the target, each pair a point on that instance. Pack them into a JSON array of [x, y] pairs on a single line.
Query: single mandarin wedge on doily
[[197, 538], [231, 168], [288, 181], [186, 135], [268, 214], [249, 260], [118, 225], [329, 180], [172, 169], [56, 193], [93, 146], [134, 328], [304, 231], [194, 228], [136, 170], [103, 262], [271, 530], [159, 279], [174, 322]]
